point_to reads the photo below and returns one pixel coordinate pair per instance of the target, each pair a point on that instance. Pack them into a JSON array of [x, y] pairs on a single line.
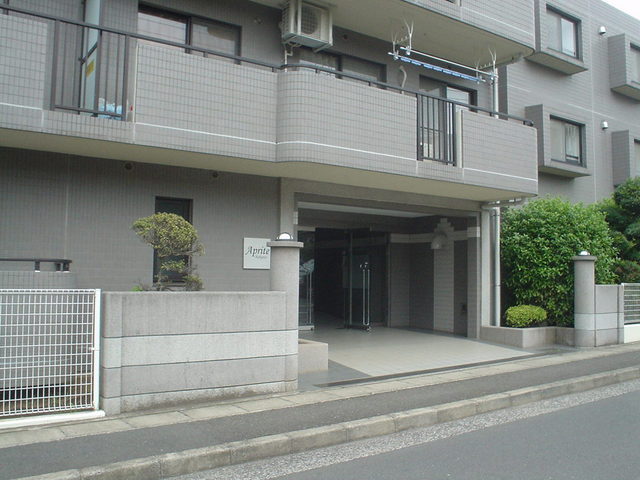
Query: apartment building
[[378, 132]]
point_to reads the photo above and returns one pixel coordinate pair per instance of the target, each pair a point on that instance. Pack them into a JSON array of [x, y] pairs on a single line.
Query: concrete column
[[485, 267], [285, 265], [584, 300], [474, 281], [284, 274]]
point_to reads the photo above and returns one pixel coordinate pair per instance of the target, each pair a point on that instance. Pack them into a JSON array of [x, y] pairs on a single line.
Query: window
[[441, 89], [183, 29], [635, 63], [321, 59], [566, 141], [438, 119], [363, 68], [636, 147], [343, 63], [179, 206], [563, 33]]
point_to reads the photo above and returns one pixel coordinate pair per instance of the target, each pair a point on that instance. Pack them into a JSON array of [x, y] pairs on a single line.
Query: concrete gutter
[[179, 463]]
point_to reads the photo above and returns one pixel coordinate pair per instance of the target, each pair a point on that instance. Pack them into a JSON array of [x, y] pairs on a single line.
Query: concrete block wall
[[609, 318], [162, 348]]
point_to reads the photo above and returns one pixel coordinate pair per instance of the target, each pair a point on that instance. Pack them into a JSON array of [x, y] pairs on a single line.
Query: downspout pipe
[[494, 209], [497, 275]]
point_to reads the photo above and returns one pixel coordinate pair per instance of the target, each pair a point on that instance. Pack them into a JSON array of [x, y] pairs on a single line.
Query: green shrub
[[622, 212], [538, 241], [522, 316], [172, 237]]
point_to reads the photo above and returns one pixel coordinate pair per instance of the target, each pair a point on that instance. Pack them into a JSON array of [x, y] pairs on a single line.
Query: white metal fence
[[631, 303], [49, 350]]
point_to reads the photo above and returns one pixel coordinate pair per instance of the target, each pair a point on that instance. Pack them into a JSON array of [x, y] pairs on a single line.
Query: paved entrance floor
[[356, 354]]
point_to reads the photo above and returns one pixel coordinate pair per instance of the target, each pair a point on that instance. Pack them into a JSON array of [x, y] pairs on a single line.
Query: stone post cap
[[284, 243], [579, 258]]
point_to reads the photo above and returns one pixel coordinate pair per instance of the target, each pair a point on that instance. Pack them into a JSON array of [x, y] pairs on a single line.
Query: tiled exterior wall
[[187, 102], [61, 206], [585, 97], [327, 120], [494, 147], [422, 285], [23, 52], [512, 19]]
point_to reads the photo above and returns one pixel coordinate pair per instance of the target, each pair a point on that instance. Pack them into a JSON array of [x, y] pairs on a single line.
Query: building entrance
[[343, 278]]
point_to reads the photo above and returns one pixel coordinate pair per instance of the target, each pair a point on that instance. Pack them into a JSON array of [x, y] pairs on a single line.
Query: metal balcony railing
[[90, 76], [61, 264]]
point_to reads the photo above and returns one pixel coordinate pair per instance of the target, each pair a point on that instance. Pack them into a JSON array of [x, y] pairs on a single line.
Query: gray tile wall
[[585, 97], [400, 285], [422, 286], [62, 206]]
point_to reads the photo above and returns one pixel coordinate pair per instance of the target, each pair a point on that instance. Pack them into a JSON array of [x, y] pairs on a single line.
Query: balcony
[[127, 100], [460, 31]]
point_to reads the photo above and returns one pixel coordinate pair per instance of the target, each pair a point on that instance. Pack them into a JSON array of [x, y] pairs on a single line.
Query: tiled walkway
[[384, 351]]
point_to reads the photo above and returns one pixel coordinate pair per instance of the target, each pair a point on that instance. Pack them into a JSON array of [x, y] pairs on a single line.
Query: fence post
[[285, 267], [584, 300], [284, 273]]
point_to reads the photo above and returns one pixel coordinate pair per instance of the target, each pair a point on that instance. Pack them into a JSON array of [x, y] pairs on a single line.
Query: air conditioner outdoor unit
[[305, 23]]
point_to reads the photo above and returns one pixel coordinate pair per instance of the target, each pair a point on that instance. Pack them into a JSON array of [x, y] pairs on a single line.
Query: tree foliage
[[172, 237], [622, 212], [538, 241]]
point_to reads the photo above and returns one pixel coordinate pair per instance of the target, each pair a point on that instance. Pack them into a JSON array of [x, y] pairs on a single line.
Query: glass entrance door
[[342, 278]]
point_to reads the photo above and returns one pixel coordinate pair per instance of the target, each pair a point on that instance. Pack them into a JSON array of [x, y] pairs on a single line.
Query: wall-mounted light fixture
[[604, 124], [602, 30]]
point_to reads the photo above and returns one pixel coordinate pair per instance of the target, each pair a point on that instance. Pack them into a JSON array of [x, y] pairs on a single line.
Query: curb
[[172, 464]]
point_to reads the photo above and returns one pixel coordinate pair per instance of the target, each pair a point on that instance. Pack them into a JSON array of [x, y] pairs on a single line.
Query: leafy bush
[[522, 316], [538, 241], [622, 212], [171, 236]]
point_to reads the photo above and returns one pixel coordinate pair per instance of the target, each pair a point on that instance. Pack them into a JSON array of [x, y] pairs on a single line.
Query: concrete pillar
[[584, 300], [285, 265], [284, 273], [485, 267]]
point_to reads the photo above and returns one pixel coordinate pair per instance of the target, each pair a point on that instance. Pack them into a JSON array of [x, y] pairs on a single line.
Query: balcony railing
[[90, 76], [60, 264]]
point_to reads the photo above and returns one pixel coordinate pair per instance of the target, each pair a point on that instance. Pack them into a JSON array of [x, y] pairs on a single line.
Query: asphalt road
[[591, 435]]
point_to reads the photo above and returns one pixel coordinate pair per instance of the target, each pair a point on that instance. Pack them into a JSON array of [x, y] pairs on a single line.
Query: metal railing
[[49, 345], [61, 264], [90, 75], [631, 303]]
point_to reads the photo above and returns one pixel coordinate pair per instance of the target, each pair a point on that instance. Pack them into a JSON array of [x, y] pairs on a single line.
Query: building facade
[[374, 131]]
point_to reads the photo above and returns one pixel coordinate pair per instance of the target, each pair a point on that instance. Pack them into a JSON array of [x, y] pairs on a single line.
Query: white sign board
[[256, 255]]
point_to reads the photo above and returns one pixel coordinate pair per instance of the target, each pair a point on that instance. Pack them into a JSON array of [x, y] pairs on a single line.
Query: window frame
[[635, 62], [186, 202], [340, 57], [552, 12], [189, 21], [568, 159]]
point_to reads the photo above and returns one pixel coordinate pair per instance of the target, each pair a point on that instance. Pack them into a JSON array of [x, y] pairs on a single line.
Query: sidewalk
[[164, 443]]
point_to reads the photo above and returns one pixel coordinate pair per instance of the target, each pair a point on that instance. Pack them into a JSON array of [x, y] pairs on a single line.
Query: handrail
[[272, 66], [62, 264]]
